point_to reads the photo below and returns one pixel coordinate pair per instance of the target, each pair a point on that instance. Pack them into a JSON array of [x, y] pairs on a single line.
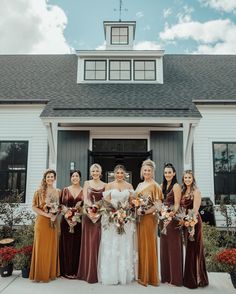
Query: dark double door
[[130, 153]]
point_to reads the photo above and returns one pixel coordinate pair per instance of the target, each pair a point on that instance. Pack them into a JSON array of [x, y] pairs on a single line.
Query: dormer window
[[144, 70], [119, 35], [120, 70], [95, 70]]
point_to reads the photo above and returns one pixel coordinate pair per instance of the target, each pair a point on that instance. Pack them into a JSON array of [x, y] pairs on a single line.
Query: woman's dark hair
[[193, 185], [75, 171], [164, 183]]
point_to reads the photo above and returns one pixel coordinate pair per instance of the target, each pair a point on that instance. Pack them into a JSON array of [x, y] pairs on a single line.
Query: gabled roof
[[53, 78]]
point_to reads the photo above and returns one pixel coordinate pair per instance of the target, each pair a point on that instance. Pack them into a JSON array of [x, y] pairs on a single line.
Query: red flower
[[227, 257], [6, 255]]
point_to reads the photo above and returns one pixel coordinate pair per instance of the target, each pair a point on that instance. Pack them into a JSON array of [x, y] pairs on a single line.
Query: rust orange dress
[[45, 258], [147, 240]]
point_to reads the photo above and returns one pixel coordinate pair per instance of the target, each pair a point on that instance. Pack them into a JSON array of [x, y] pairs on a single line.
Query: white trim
[[134, 129], [119, 53]]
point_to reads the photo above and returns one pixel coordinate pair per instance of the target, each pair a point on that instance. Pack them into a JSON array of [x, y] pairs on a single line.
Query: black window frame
[[18, 171], [119, 35], [95, 71], [225, 174], [120, 60], [145, 60]]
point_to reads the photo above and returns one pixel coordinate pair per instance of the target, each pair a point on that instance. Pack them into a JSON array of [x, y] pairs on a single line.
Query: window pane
[[125, 65], [139, 65], [100, 65], [124, 31], [100, 75], [115, 31], [114, 65], [125, 75], [114, 75], [220, 157], [149, 65], [149, 75], [115, 40], [139, 75], [123, 40], [90, 75], [232, 157], [90, 65]]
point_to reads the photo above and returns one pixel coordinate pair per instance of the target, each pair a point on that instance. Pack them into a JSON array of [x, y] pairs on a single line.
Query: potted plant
[[227, 260], [22, 260], [6, 257]]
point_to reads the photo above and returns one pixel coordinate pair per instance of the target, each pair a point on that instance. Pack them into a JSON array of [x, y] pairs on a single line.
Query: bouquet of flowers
[[94, 210], [142, 203], [227, 259], [187, 219], [165, 215], [52, 206], [73, 215], [118, 214]]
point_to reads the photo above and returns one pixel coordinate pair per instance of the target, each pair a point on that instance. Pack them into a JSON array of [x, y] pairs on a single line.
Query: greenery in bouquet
[[94, 210], [187, 219], [73, 215]]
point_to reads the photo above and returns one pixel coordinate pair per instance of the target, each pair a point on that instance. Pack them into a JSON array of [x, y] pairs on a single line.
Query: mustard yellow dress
[[45, 258], [147, 240]]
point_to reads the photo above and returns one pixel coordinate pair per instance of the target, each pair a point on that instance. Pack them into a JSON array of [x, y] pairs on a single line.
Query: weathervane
[[121, 9]]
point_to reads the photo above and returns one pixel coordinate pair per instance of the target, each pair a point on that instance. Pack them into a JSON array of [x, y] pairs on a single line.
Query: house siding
[[24, 123]]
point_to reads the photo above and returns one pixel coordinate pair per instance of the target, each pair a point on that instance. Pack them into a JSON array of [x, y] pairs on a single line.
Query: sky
[[64, 26]]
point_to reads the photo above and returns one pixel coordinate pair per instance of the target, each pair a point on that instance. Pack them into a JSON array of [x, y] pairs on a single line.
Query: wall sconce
[[72, 165]]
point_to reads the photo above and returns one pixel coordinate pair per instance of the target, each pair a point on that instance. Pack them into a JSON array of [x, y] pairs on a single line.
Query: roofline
[[23, 101], [206, 101], [129, 53]]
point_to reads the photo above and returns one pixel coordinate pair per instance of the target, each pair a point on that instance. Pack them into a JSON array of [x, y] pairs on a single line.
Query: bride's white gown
[[117, 253]]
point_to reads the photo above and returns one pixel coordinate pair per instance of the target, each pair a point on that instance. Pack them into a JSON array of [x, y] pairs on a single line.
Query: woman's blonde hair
[[96, 165], [149, 163]]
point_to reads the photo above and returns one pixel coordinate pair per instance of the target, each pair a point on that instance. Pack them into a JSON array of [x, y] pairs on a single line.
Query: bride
[[117, 254]]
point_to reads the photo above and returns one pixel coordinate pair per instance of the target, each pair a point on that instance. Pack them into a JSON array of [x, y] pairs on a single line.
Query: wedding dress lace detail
[[117, 252]]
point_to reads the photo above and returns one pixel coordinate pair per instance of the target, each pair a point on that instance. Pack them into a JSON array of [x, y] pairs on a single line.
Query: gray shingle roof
[[53, 78]]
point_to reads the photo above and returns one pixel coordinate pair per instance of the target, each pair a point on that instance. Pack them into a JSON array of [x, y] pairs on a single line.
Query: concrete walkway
[[220, 283]]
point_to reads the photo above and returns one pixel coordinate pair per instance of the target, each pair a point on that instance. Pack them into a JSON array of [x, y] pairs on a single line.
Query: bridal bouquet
[[142, 203], [94, 210], [52, 206], [118, 214], [73, 215], [187, 219], [165, 215]]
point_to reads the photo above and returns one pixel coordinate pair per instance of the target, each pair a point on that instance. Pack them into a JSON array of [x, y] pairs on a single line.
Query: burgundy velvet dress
[[195, 274], [69, 242], [91, 236], [171, 250]]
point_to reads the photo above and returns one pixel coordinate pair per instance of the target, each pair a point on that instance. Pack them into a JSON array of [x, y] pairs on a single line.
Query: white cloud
[[101, 47], [221, 5], [185, 15], [147, 45], [216, 36], [167, 12], [32, 26], [139, 14]]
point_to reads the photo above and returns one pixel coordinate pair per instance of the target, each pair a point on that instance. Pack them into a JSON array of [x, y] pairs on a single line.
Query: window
[[119, 36], [144, 70], [13, 167], [224, 156], [120, 70], [95, 70]]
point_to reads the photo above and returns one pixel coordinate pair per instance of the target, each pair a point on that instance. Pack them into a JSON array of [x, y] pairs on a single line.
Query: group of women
[[95, 252]]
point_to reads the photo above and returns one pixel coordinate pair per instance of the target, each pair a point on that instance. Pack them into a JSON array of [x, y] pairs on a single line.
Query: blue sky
[[62, 26]]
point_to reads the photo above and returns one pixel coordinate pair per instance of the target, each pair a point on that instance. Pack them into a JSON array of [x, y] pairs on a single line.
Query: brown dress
[[69, 242], [171, 250], [147, 241], [45, 258], [195, 274], [90, 242]]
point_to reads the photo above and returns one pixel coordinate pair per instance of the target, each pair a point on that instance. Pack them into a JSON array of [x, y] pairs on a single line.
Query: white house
[[115, 106]]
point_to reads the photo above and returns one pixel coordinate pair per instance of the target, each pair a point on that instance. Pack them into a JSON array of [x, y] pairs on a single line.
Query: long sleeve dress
[[171, 250], [195, 274], [69, 242], [90, 242], [45, 255], [147, 240]]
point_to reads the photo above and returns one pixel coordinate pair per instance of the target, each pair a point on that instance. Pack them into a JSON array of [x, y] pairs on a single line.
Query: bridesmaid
[[147, 227], [45, 258], [195, 274], [91, 228], [171, 252], [70, 242]]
